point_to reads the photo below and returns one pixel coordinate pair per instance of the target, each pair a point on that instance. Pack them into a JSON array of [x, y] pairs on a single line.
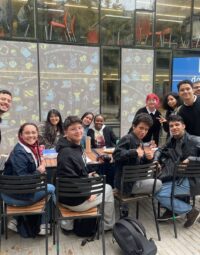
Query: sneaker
[[12, 225], [43, 229], [192, 217], [167, 215]]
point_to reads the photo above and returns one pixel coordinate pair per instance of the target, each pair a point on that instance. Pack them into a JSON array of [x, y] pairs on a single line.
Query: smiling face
[[196, 88], [87, 120], [177, 128], [29, 134], [171, 101], [186, 92], [151, 104], [5, 102], [54, 119], [98, 122], [141, 130], [74, 133]]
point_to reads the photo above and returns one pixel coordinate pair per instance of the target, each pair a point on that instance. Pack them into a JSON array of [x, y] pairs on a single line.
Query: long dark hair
[[88, 113], [50, 131], [165, 101]]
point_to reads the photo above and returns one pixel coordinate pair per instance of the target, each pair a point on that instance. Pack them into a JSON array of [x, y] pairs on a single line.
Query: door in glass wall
[[145, 5], [196, 25], [117, 22], [162, 73], [173, 23], [110, 91], [23, 23]]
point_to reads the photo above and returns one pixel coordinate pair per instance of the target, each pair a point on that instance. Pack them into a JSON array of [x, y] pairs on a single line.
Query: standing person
[[171, 103], [51, 130], [196, 88], [190, 110], [152, 104], [101, 135], [25, 160], [71, 163], [5, 104], [130, 151], [186, 149], [87, 119]]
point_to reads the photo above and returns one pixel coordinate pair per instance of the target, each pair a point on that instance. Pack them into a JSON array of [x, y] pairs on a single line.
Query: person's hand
[[161, 119], [140, 151], [92, 198], [149, 154], [185, 161], [41, 168], [153, 144], [158, 165]]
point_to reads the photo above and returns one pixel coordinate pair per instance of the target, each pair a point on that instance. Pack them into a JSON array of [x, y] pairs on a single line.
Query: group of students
[[69, 140]]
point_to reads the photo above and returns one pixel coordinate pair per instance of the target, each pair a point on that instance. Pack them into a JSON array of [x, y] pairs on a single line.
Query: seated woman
[[100, 134], [87, 119], [25, 160], [71, 163], [51, 130]]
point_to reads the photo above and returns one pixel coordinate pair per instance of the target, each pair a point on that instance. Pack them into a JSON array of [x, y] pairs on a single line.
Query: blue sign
[[185, 69]]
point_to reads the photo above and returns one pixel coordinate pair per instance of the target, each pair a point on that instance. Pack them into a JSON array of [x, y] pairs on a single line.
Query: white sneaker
[[43, 231], [67, 224], [12, 225]]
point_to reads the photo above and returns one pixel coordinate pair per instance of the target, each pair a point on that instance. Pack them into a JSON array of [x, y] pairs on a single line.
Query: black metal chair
[[17, 185], [190, 170], [131, 174], [74, 188]]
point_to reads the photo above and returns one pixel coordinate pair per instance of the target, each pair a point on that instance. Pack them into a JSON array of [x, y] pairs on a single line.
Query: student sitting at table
[[130, 151], [25, 160], [87, 119], [101, 135], [51, 130], [72, 163]]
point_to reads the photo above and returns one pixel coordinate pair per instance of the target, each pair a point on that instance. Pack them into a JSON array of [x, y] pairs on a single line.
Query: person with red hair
[[152, 104]]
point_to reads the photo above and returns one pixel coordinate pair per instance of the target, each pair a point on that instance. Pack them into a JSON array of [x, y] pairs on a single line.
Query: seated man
[[72, 163], [130, 151], [186, 147]]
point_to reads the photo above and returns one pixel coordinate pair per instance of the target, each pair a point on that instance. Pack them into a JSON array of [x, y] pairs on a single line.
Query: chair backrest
[[80, 187], [192, 169], [10, 184]]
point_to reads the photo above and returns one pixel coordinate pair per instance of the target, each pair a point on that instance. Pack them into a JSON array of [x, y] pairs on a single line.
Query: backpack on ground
[[130, 235], [28, 225]]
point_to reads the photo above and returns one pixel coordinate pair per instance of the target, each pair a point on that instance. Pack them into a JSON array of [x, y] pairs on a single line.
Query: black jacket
[[125, 154], [154, 131], [109, 136], [190, 149], [70, 164]]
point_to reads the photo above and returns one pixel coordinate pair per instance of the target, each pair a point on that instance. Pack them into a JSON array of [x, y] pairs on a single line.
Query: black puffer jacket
[[70, 164], [190, 149]]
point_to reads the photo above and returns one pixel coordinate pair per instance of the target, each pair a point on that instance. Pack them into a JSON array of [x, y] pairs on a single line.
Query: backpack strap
[[137, 225]]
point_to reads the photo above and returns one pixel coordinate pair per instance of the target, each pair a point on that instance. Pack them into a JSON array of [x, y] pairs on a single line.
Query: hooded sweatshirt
[[70, 164]]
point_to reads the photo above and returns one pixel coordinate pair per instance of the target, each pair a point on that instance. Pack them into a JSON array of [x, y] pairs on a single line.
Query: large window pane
[[196, 6], [117, 22], [196, 31], [173, 23], [144, 28], [4, 18], [110, 92], [146, 5], [73, 21], [23, 19]]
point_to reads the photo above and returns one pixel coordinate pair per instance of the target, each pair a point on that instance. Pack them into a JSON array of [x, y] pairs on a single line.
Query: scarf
[[34, 148]]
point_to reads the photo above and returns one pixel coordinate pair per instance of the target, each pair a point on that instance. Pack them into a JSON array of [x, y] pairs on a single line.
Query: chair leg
[[57, 233], [156, 219], [50, 36], [103, 237], [137, 210], [6, 227], [158, 210], [174, 220], [46, 231]]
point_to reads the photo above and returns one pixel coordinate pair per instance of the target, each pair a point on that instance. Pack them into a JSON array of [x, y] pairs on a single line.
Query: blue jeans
[[181, 188], [37, 197]]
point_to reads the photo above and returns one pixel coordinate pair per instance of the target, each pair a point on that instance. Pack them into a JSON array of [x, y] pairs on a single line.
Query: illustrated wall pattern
[[136, 83], [69, 79], [18, 74]]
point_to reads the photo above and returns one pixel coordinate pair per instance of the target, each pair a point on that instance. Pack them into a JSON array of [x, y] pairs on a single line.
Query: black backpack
[[130, 235]]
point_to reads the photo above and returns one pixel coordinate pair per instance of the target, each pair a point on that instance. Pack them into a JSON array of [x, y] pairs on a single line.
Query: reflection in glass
[[4, 22], [110, 92], [162, 80], [196, 32], [145, 4], [196, 7], [173, 23], [117, 22], [144, 23]]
